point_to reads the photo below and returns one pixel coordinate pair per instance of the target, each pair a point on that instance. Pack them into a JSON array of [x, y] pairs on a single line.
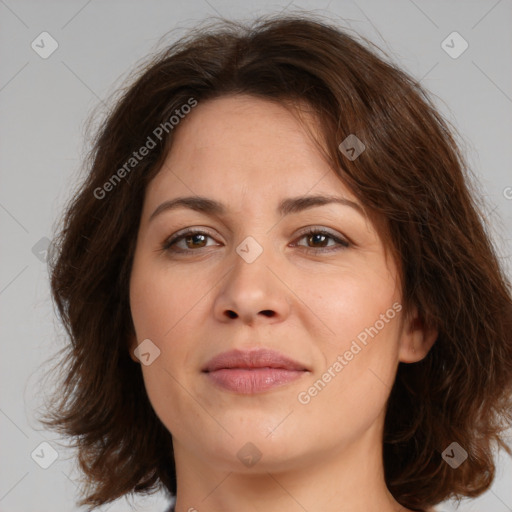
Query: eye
[[192, 239], [320, 238]]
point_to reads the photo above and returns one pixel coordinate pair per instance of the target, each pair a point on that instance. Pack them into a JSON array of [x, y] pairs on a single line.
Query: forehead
[[245, 146]]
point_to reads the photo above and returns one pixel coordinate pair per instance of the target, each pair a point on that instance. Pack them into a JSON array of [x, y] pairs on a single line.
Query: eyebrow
[[285, 207]]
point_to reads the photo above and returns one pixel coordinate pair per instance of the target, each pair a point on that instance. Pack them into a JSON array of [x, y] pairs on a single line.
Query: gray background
[[44, 104]]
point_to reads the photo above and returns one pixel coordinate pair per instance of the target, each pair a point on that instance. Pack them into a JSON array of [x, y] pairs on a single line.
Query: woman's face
[[254, 279]]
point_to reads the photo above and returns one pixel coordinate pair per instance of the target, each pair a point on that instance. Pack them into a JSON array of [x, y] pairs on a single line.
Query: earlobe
[[132, 345], [417, 339]]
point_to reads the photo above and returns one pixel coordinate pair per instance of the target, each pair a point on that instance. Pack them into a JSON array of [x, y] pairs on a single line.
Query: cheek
[[162, 307], [360, 348], [159, 301], [359, 362], [348, 302], [159, 314]]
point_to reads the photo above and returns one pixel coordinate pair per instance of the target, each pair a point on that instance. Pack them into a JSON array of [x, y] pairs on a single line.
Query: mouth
[[249, 372]]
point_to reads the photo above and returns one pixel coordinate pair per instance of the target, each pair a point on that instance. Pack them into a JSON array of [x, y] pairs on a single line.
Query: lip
[[253, 371]]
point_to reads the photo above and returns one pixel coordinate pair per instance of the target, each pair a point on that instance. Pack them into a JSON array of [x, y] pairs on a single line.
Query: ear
[[416, 340], [132, 345]]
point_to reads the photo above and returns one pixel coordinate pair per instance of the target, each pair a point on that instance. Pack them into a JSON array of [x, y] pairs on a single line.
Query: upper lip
[[261, 358]]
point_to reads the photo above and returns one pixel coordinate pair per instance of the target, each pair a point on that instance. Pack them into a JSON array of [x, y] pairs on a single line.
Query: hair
[[412, 174]]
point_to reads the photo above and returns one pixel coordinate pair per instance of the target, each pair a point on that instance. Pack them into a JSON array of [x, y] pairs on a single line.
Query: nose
[[252, 293]]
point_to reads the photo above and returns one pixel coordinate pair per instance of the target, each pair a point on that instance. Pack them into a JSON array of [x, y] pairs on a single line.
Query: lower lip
[[248, 381]]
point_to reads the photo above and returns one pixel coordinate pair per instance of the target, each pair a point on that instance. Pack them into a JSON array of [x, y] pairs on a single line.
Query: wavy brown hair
[[412, 174]]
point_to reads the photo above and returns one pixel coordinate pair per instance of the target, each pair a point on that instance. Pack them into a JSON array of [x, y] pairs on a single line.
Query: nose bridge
[[250, 275], [251, 289]]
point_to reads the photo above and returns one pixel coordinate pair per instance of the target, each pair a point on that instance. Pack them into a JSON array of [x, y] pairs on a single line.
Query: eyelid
[[343, 239], [323, 229], [190, 231]]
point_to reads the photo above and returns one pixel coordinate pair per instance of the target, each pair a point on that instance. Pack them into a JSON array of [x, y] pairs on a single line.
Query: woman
[[278, 286]]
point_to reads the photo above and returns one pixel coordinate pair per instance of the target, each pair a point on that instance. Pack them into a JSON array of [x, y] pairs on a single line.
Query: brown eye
[[194, 241], [187, 241], [317, 239]]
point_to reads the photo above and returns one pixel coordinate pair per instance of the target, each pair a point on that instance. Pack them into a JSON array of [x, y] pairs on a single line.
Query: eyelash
[[342, 243]]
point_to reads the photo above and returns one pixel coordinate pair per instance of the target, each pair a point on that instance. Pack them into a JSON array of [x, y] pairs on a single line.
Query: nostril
[[268, 312], [231, 314]]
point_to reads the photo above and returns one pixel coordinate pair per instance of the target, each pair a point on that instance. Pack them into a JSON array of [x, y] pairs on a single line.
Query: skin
[[324, 455]]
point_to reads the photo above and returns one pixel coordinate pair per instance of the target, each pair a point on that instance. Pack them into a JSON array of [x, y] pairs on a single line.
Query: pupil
[[192, 239], [316, 237]]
